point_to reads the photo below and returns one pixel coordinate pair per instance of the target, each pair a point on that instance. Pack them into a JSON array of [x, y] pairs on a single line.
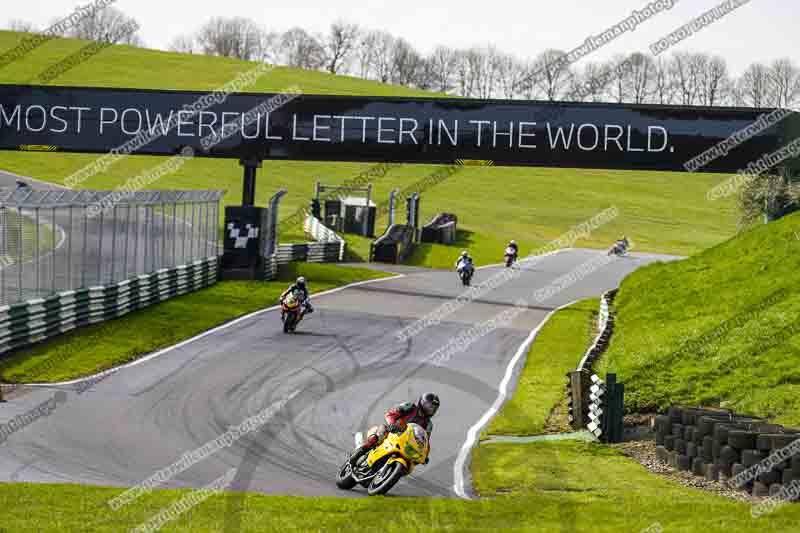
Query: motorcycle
[[383, 467], [292, 311], [511, 256], [466, 273], [619, 249]]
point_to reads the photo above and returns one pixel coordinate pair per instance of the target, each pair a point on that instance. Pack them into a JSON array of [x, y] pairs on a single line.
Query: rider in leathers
[[397, 418]]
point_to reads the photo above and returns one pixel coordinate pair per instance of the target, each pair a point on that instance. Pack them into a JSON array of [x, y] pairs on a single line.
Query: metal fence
[[57, 240]]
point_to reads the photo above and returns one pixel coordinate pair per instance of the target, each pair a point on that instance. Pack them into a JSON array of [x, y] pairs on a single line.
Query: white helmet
[[301, 280], [464, 253], [513, 242]]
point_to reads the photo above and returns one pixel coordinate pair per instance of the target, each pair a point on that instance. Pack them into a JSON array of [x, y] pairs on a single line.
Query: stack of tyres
[[733, 449]]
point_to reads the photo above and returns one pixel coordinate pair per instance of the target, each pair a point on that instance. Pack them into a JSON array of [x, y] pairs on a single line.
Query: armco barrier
[[593, 403], [741, 451], [327, 248], [314, 252], [270, 267], [29, 322], [324, 235]]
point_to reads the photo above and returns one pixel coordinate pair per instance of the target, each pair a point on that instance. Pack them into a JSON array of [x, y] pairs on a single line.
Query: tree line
[[683, 78]]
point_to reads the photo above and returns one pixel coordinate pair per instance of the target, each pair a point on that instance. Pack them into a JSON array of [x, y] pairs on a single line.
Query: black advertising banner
[[344, 128]]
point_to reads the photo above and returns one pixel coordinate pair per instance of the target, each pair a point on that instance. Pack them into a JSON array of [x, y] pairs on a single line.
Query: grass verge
[[102, 346], [557, 349], [569, 487], [577, 486]]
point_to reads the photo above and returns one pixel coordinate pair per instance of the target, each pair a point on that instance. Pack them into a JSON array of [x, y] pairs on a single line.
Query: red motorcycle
[[291, 311]]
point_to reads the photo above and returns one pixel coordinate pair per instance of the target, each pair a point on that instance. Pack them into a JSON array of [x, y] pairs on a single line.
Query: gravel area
[[644, 451]]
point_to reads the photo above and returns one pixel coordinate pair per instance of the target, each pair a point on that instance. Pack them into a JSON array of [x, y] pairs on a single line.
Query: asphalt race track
[[342, 370]]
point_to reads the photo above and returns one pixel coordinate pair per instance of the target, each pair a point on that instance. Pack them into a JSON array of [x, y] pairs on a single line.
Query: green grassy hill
[[660, 211], [718, 329], [138, 68]]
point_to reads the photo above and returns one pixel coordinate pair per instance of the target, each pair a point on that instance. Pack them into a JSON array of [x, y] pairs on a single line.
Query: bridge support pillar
[[251, 166]]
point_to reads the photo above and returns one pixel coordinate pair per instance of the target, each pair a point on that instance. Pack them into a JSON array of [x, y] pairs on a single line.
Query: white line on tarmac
[[200, 336], [472, 435]]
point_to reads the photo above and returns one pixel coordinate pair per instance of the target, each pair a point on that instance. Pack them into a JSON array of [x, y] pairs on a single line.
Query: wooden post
[[579, 391]]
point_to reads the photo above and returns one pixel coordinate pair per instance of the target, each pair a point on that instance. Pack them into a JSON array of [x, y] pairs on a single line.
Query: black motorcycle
[[511, 256], [619, 249]]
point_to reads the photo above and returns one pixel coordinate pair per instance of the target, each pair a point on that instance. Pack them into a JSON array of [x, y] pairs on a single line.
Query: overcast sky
[[762, 30]]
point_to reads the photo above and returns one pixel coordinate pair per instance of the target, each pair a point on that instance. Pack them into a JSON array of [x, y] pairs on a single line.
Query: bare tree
[[590, 83], [619, 77], [109, 25], [686, 69], [271, 43], [443, 63], [406, 63], [784, 83], [339, 44], [713, 81], [509, 72], [300, 49], [426, 77], [482, 67], [365, 55], [21, 26], [663, 83], [185, 44], [754, 85], [383, 56], [551, 73], [463, 74], [639, 77], [232, 37]]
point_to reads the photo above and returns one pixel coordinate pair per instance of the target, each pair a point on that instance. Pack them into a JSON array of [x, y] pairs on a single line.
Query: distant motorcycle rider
[[397, 418], [464, 261], [300, 285], [513, 246]]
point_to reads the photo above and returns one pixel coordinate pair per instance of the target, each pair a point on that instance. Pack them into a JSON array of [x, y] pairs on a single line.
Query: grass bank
[[717, 329]]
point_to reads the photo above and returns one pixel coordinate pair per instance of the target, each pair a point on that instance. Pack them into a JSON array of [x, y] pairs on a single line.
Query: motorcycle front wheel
[[288, 323], [345, 480], [388, 476]]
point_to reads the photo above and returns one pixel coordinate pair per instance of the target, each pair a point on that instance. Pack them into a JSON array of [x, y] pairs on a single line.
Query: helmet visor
[[429, 407]]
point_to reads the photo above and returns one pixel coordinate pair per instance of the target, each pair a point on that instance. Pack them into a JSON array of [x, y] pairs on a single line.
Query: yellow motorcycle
[[382, 468]]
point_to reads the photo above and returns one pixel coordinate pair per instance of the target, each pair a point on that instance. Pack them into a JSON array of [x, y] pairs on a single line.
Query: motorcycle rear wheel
[[386, 479], [345, 480]]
